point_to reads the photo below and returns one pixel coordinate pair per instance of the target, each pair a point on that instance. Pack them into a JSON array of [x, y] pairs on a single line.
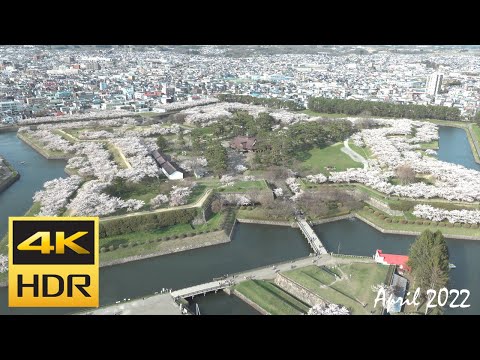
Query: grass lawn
[[476, 131], [271, 298], [431, 145], [145, 190], [63, 136], [259, 213], [241, 186], [364, 151], [174, 230], [318, 159], [116, 155], [350, 292]]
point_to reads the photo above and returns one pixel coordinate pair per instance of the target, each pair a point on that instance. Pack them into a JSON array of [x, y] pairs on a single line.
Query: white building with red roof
[[392, 259]]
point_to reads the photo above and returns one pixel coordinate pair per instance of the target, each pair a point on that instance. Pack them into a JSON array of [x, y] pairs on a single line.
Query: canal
[[455, 148], [17, 199], [252, 245]]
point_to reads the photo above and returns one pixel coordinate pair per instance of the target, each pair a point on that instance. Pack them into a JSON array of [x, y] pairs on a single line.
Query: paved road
[[198, 203], [162, 304], [355, 156]]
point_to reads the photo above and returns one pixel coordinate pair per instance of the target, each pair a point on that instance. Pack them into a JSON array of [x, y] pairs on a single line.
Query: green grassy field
[[430, 145], [116, 155], [352, 292], [175, 230], [364, 151], [271, 298], [330, 156]]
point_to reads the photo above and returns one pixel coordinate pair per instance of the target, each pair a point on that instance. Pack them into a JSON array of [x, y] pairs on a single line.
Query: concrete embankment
[[267, 222], [5, 184]]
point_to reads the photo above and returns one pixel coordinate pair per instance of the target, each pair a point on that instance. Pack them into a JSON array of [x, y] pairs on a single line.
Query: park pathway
[[353, 155]]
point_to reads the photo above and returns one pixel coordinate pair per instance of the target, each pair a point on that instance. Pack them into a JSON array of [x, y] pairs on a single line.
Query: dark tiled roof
[[244, 142], [168, 168]]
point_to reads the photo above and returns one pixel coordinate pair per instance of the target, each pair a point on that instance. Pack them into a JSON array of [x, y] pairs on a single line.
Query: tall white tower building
[[433, 83]]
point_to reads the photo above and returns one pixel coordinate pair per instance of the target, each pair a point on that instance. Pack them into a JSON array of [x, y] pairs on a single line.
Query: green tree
[[161, 142], [429, 261], [216, 156]]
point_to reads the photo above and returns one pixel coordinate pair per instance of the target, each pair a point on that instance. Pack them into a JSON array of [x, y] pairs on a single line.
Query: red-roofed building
[[392, 259]]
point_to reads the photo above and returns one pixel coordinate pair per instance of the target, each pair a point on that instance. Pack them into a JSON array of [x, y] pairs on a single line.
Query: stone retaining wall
[[383, 207], [251, 303], [266, 222], [7, 182], [297, 290], [331, 219]]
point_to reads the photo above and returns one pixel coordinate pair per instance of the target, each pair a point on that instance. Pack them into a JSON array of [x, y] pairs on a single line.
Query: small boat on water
[[452, 266], [23, 162]]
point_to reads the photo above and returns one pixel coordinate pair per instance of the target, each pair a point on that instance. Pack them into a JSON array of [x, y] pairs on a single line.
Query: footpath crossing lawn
[[271, 298], [352, 289], [318, 159]]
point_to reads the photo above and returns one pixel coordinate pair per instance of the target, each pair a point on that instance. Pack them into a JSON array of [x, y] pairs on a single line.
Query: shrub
[[449, 225], [466, 226], [457, 225], [434, 223], [174, 237], [426, 222], [388, 220], [403, 221], [411, 222], [474, 226], [376, 213], [382, 217], [396, 221], [418, 222], [102, 249], [442, 224], [111, 247], [167, 238], [366, 207]]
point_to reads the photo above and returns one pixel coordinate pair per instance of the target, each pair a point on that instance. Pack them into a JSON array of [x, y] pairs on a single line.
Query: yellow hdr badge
[[53, 262]]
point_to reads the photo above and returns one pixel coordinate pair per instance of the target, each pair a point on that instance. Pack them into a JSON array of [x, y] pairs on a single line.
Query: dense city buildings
[[50, 81]]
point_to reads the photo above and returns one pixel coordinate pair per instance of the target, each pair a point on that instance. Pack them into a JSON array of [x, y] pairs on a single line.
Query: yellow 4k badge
[[53, 262]]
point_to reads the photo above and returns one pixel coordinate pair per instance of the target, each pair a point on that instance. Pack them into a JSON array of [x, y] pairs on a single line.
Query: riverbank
[[47, 154]]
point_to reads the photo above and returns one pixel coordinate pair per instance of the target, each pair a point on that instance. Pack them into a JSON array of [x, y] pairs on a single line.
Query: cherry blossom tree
[[328, 309], [158, 201]]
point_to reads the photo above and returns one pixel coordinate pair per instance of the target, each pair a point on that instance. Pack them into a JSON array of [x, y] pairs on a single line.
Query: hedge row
[[146, 222]]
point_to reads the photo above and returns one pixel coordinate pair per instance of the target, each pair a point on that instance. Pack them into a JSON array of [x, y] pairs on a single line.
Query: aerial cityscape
[[253, 179]]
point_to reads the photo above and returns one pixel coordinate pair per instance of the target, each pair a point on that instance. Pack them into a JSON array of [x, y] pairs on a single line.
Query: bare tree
[[405, 174]]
